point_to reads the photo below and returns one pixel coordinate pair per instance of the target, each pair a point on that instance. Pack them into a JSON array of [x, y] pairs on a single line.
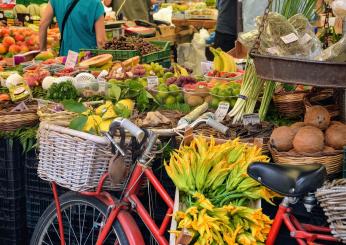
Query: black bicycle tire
[[75, 197]]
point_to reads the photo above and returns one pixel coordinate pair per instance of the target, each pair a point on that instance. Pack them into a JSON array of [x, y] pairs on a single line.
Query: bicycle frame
[[301, 232], [130, 200]]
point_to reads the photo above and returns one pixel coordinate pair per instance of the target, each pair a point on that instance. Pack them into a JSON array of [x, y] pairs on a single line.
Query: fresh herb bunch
[[27, 137], [38, 92], [62, 91]]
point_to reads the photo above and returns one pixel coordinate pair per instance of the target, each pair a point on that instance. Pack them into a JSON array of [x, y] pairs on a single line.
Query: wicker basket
[[331, 160], [290, 104], [13, 120], [73, 159], [325, 98], [332, 198], [47, 113]]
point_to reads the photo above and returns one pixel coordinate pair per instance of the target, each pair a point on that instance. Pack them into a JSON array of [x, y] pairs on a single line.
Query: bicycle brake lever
[[115, 146]]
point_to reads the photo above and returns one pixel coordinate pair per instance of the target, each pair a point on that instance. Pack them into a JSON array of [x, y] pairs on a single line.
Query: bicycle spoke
[[56, 231], [91, 230], [50, 239], [83, 219], [70, 229]]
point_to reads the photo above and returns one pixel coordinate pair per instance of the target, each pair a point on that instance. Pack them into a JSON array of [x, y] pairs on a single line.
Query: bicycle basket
[[74, 159]]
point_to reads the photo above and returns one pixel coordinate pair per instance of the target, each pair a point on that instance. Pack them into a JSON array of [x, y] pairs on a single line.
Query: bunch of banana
[[217, 171], [229, 224], [179, 70], [223, 62]]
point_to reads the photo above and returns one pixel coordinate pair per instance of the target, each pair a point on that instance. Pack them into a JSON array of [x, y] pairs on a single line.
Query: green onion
[[267, 97]]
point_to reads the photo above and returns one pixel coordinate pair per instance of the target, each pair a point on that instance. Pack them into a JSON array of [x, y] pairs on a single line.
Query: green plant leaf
[[78, 122], [74, 106], [114, 92]]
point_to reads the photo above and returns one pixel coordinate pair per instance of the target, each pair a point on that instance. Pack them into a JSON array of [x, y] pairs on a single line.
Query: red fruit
[[24, 49], [5, 32], [8, 41], [14, 49], [29, 41], [19, 38], [3, 49]]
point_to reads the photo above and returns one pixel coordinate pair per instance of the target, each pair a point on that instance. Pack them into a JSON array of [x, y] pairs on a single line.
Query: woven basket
[[73, 159], [11, 121], [332, 198], [324, 98], [47, 113], [290, 104], [331, 160]]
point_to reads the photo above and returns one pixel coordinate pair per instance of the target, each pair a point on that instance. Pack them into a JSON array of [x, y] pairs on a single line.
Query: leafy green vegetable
[[184, 108], [74, 106], [62, 91], [114, 92], [122, 111], [27, 137], [38, 92], [78, 122]]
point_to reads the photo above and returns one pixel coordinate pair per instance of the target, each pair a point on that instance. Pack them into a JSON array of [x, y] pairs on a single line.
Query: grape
[[171, 80]]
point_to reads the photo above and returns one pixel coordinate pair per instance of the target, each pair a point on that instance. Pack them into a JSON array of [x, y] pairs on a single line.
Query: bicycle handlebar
[[129, 126], [217, 126]]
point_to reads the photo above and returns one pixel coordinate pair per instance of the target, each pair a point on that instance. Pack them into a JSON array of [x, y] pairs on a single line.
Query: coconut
[[281, 138], [328, 149], [296, 126], [309, 139], [336, 136], [317, 116], [336, 122]]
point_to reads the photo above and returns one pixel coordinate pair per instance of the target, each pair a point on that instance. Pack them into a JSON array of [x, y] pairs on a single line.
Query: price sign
[[153, 81], [71, 60], [251, 119], [206, 66], [221, 111], [290, 38]]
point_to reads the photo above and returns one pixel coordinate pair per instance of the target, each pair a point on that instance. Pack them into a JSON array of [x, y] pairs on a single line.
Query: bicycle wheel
[[82, 217]]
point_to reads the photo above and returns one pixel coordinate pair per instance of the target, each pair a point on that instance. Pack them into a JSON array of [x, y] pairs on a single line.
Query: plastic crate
[[32, 181], [164, 53], [165, 63], [127, 54]]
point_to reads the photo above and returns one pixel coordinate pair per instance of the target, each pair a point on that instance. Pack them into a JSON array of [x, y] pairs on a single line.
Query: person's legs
[[224, 41]]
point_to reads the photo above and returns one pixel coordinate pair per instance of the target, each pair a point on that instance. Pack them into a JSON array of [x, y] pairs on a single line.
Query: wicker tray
[[13, 120], [331, 160], [332, 198], [46, 113], [73, 159], [290, 104]]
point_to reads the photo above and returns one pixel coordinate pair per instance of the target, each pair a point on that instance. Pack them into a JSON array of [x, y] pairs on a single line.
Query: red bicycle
[[97, 217], [294, 183]]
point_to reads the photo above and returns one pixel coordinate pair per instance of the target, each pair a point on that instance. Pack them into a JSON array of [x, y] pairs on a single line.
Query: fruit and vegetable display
[[225, 92], [316, 134], [16, 40], [131, 43], [215, 188]]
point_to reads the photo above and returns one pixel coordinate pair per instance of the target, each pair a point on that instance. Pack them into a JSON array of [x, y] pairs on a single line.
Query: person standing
[[81, 24], [226, 25], [132, 9]]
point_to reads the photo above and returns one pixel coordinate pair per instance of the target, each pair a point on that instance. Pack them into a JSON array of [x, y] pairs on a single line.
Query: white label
[[71, 60], [290, 38], [206, 66], [305, 39], [332, 21], [251, 119], [153, 81], [221, 111]]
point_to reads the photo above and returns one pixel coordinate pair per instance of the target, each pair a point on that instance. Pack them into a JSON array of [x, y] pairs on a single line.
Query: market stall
[[217, 144]]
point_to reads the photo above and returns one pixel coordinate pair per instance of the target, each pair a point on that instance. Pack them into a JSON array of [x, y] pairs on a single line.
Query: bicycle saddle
[[289, 180]]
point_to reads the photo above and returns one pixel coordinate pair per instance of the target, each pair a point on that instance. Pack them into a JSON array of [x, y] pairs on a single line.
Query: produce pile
[[131, 43], [16, 40], [316, 134], [216, 188]]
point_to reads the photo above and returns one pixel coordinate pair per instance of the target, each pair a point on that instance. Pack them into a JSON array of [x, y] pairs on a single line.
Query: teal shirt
[[79, 30]]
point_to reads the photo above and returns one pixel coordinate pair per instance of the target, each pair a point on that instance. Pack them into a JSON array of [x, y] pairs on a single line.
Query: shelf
[[298, 71]]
